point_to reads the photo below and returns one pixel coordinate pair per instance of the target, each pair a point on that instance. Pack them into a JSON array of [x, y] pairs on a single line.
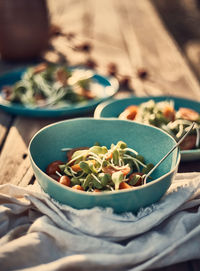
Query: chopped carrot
[[109, 155], [77, 187], [97, 190], [76, 167], [40, 68], [169, 113], [124, 185], [129, 113], [125, 170]]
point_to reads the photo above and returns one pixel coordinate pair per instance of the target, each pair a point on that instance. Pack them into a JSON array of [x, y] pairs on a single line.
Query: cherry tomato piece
[[125, 170], [169, 113], [65, 180], [188, 114], [110, 170], [53, 167], [139, 182], [78, 187], [188, 143], [54, 176]]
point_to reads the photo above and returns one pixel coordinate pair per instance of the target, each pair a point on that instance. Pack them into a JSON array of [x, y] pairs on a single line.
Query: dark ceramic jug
[[24, 28]]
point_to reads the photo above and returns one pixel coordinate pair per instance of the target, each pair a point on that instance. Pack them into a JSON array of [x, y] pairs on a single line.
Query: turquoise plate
[[112, 109], [109, 88]]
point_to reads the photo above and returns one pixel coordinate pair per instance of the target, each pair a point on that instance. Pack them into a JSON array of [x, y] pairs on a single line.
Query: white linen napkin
[[37, 233]]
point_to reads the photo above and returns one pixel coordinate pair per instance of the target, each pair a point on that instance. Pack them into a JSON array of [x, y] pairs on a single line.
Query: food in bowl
[[163, 115], [153, 143], [52, 85], [99, 169]]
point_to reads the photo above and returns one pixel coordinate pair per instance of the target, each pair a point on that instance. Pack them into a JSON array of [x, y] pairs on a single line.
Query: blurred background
[[182, 18], [30, 30]]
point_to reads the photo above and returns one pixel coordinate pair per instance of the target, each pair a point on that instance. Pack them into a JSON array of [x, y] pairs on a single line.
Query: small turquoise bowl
[[113, 108], [45, 147]]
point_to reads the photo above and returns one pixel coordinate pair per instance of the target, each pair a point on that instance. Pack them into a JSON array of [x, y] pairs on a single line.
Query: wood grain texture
[[186, 32], [5, 121], [128, 33], [132, 35], [157, 52], [14, 161]]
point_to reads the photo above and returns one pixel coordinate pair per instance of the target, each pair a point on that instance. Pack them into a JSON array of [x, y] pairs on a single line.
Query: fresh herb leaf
[[117, 178]]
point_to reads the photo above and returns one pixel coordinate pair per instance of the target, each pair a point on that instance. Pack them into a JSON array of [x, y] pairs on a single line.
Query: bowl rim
[[98, 110], [103, 193]]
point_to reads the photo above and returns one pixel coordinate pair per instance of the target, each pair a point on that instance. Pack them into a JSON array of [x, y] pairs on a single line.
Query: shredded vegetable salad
[[163, 115], [98, 168], [51, 85]]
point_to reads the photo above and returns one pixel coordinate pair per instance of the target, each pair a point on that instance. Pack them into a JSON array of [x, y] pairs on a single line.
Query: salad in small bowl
[[49, 89], [100, 169], [173, 115], [87, 162]]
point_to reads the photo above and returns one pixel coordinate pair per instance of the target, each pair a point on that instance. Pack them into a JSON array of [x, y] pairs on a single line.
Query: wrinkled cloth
[[38, 233]]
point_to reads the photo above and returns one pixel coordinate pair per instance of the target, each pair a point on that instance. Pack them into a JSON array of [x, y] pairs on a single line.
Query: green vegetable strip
[[134, 159], [95, 177], [74, 159], [102, 168], [131, 150]]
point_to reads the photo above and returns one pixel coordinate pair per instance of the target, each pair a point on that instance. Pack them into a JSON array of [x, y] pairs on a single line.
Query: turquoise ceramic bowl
[[149, 141], [113, 108]]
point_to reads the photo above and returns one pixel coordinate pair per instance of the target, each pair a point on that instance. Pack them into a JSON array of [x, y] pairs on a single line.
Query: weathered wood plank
[[107, 46], [150, 45], [192, 51], [132, 35], [14, 162], [5, 121], [21, 176], [186, 32], [27, 178]]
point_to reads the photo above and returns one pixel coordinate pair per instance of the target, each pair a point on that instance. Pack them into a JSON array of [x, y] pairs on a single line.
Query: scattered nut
[[84, 47], [142, 73], [112, 69], [90, 63]]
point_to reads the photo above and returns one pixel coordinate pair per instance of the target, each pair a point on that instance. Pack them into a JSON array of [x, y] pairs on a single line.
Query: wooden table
[[129, 34]]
